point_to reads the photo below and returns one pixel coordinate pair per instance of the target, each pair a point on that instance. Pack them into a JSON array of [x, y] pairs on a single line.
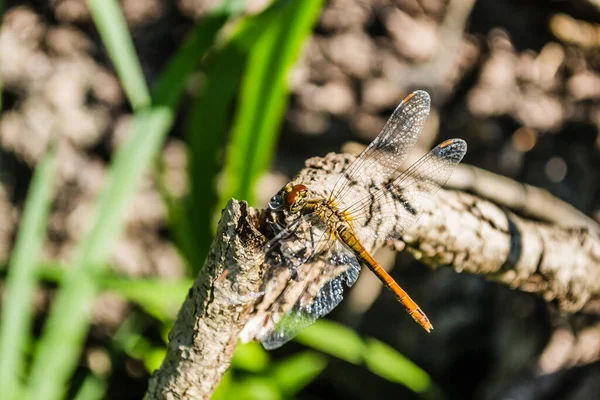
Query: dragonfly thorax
[[293, 198]]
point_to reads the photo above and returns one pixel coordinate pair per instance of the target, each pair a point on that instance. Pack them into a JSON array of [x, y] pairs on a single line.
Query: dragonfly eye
[[294, 196], [276, 203]]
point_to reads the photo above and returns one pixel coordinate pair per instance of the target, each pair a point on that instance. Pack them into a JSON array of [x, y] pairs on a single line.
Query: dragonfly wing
[[389, 149], [396, 206], [295, 243], [291, 246], [321, 293]]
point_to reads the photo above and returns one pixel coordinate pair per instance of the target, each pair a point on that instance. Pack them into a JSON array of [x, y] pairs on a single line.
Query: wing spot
[[446, 143], [407, 98]]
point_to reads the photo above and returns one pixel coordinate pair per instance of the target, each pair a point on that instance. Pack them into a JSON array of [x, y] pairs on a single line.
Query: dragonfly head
[[291, 197]]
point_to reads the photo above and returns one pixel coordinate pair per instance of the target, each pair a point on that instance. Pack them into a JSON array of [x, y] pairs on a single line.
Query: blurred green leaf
[[250, 357], [154, 358], [263, 97], [169, 87], [131, 341], [113, 29], [161, 299], [296, 371], [207, 123], [17, 303], [65, 329], [342, 342], [224, 389], [256, 388], [386, 362], [92, 388], [334, 339]]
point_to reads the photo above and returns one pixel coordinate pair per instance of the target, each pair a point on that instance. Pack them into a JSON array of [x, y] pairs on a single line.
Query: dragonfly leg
[[285, 231]]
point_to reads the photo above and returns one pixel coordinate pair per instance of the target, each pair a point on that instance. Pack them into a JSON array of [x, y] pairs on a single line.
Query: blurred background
[[126, 126]]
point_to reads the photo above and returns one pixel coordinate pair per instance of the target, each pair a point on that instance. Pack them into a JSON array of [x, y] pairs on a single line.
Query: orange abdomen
[[348, 237]]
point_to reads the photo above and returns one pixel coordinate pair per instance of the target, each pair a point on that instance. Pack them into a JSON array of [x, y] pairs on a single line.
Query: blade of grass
[[183, 64], [92, 388], [113, 29], [333, 339], [341, 342], [17, 304], [263, 97], [250, 357], [206, 126], [159, 298], [386, 362], [65, 329], [296, 371]]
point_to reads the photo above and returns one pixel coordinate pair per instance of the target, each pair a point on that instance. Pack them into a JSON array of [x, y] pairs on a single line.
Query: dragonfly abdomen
[[350, 239]]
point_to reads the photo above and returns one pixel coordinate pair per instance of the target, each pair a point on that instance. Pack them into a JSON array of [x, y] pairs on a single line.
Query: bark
[[460, 230], [527, 200], [205, 333], [471, 234]]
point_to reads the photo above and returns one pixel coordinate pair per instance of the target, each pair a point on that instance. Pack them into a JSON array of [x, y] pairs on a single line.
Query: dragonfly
[[322, 238]]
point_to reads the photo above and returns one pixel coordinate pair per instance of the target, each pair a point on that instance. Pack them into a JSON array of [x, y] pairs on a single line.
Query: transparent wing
[[389, 149], [334, 267], [398, 204], [294, 244]]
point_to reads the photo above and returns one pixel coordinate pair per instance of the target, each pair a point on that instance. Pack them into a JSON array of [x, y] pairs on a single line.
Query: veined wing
[[388, 151], [398, 204], [334, 266]]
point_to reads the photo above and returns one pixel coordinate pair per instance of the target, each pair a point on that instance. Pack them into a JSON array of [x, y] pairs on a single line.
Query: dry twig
[[205, 333], [459, 230]]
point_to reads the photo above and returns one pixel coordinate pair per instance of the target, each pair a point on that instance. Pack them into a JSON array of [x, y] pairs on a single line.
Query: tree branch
[[459, 230], [525, 199], [205, 333]]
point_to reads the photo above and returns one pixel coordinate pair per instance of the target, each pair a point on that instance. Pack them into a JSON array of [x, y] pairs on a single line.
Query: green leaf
[[207, 123], [92, 388], [154, 358], [66, 327], [334, 339], [17, 301], [264, 96], [250, 357], [113, 29], [170, 85], [341, 342], [159, 298], [256, 388], [386, 362], [296, 371], [225, 387], [67, 324]]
